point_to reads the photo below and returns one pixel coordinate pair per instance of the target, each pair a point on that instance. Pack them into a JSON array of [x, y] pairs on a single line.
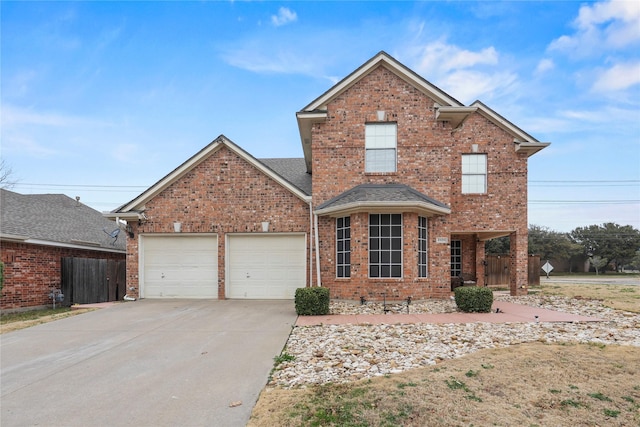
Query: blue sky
[[102, 99]]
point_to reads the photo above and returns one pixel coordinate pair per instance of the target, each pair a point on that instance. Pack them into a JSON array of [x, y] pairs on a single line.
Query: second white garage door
[[180, 266], [266, 266]]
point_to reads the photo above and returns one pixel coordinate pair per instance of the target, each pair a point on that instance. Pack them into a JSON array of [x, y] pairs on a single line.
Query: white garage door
[[180, 266], [266, 266]]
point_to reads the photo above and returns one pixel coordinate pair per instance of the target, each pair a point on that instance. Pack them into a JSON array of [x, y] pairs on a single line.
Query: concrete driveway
[[144, 363]]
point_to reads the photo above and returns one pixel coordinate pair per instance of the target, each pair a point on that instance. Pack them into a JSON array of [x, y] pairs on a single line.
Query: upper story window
[[380, 146], [474, 173]]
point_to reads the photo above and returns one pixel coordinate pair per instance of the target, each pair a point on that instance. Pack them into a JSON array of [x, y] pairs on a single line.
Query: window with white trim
[[456, 258], [380, 147], [474, 173], [343, 247], [422, 246], [385, 245]]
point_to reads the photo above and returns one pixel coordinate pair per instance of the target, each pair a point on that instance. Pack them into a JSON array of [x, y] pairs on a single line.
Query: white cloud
[[544, 65], [601, 27], [618, 77], [14, 142], [440, 58], [16, 116], [466, 75], [263, 61], [284, 16], [468, 86], [126, 153]]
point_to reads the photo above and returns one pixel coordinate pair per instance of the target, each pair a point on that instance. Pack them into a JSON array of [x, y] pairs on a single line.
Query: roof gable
[[447, 108], [57, 220], [381, 59], [134, 208]]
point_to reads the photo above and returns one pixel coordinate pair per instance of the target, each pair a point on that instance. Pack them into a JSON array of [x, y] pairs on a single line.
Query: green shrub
[[312, 301], [474, 299]]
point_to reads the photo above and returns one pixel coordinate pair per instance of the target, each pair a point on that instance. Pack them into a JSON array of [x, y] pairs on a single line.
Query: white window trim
[[381, 144], [472, 188]]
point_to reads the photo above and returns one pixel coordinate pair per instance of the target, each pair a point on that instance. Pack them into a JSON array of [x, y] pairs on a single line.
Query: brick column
[[480, 267], [519, 263]]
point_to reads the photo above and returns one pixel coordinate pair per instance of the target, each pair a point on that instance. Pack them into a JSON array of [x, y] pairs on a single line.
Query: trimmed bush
[[312, 301], [474, 299]]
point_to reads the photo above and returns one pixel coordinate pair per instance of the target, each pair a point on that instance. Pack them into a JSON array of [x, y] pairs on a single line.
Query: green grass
[[572, 403], [283, 357], [599, 396], [611, 413], [22, 316]]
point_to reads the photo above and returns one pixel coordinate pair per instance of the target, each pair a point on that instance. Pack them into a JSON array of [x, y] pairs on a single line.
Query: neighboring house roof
[[56, 220], [388, 197], [287, 172], [448, 108]]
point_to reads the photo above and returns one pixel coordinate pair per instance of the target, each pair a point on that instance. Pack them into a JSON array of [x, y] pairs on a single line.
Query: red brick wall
[[429, 160], [32, 271], [223, 194]]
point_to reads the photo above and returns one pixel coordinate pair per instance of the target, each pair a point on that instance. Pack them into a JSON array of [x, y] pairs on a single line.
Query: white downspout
[[310, 244], [317, 251]]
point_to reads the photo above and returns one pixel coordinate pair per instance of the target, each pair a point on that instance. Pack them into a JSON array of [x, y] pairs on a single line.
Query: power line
[[583, 201], [585, 181], [550, 183], [23, 184]]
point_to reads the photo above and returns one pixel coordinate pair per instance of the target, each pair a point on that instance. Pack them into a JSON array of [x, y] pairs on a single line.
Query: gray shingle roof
[[56, 218], [293, 170], [370, 194]]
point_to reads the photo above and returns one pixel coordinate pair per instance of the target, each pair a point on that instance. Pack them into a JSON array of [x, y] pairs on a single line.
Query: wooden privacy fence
[[87, 280], [498, 270]]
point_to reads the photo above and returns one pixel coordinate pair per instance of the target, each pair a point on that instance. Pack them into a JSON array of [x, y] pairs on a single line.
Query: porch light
[[265, 226], [177, 227]]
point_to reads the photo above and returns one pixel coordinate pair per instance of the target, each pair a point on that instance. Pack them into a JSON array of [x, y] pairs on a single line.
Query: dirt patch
[[21, 324], [528, 384]]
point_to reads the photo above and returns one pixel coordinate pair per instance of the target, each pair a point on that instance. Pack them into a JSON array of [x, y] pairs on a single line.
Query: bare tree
[[6, 174]]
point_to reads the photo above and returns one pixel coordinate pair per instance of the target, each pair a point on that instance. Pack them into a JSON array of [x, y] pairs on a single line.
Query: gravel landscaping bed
[[343, 353]]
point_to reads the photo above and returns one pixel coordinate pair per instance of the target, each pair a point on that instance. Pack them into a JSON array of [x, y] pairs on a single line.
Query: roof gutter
[[91, 246], [531, 148], [388, 207]]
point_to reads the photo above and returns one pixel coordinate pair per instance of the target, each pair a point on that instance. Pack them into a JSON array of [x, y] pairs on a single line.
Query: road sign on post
[[547, 268]]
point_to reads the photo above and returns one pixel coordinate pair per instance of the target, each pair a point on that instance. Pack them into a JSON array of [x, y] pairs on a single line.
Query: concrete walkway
[[509, 313]]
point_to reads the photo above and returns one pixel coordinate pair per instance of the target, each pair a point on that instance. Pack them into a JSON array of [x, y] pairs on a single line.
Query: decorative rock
[[330, 353]]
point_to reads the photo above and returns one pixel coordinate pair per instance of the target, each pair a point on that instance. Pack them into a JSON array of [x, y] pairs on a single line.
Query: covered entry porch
[[469, 262]]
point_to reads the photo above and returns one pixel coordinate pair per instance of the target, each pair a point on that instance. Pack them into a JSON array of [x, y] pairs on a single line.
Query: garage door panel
[[266, 266], [180, 266]]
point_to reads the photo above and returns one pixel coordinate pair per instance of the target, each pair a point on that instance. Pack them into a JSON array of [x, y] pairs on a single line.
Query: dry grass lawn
[[525, 385], [533, 384], [620, 297]]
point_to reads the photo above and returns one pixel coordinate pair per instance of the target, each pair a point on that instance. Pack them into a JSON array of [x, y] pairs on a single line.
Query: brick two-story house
[[399, 188]]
